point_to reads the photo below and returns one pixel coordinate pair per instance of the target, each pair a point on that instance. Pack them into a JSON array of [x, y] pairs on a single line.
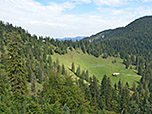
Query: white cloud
[[48, 20], [111, 2], [82, 1], [30, 15], [146, 0], [51, 19]]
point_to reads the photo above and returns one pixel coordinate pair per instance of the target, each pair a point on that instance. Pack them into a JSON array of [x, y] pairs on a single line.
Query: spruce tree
[[50, 62], [58, 68], [15, 67], [87, 76], [33, 84], [3, 80], [94, 90], [134, 86], [63, 69], [78, 72], [83, 75], [140, 69], [119, 86], [73, 67]]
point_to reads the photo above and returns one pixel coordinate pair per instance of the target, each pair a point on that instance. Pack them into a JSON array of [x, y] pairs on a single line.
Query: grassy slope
[[98, 66]]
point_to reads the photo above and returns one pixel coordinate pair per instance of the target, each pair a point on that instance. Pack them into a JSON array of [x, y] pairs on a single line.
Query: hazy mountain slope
[[71, 38]]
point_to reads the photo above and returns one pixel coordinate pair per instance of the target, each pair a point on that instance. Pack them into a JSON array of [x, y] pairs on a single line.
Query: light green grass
[[98, 66]]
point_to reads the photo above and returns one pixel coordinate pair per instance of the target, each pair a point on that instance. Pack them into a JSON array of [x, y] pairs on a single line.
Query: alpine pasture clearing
[[98, 66]]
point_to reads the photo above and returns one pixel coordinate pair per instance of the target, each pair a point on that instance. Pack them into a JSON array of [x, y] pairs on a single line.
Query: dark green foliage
[[15, 67], [50, 62], [119, 86], [94, 90], [133, 60], [41, 74], [63, 90], [3, 81], [83, 75], [140, 69], [52, 90], [58, 68], [146, 107], [106, 92], [115, 86], [134, 108], [33, 84], [87, 76], [63, 69], [134, 86], [78, 71], [124, 98], [73, 67], [126, 61]]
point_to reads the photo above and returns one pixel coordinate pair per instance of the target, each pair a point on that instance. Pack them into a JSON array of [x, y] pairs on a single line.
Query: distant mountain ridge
[[71, 38]]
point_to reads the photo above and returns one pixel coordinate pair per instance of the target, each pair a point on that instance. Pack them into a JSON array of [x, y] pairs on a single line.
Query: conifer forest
[[33, 82]]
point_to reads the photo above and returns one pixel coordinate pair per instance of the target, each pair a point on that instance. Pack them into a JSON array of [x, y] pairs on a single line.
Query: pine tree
[[94, 90], [78, 72], [50, 62], [119, 86], [16, 69], [63, 69], [57, 62], [140, 69], [150, 98], [146, 107], [58, 68], [115, 86], [133, 60], [41, 75], [133, 108], [3, 57], [87, 76], [83, 75], [106, 91], [73, 67], [33, 84], [124, 100], [44, 55], [3, 80], [134, 86]]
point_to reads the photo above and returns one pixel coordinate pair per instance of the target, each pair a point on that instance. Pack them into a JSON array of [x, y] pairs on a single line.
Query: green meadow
[[98, 66]]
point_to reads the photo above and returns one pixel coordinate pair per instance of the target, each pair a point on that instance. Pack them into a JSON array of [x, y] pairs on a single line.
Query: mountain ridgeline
[[134, 39], [31, 82], [139, 27]]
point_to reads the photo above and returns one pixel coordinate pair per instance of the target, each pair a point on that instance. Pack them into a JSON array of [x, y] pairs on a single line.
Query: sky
[[71, 18]]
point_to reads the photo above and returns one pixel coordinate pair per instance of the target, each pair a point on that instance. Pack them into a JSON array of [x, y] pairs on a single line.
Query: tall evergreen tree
[[78, 72], [3, 80], [94, 90], [119, 86], [73, 67], [16, 69], [87, 76], [63, 69], [133, 60], [140, 69], [50, 62]]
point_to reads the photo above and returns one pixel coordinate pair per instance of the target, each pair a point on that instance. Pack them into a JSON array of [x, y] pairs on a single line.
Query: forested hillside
[[139, 27], [31, 81]]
